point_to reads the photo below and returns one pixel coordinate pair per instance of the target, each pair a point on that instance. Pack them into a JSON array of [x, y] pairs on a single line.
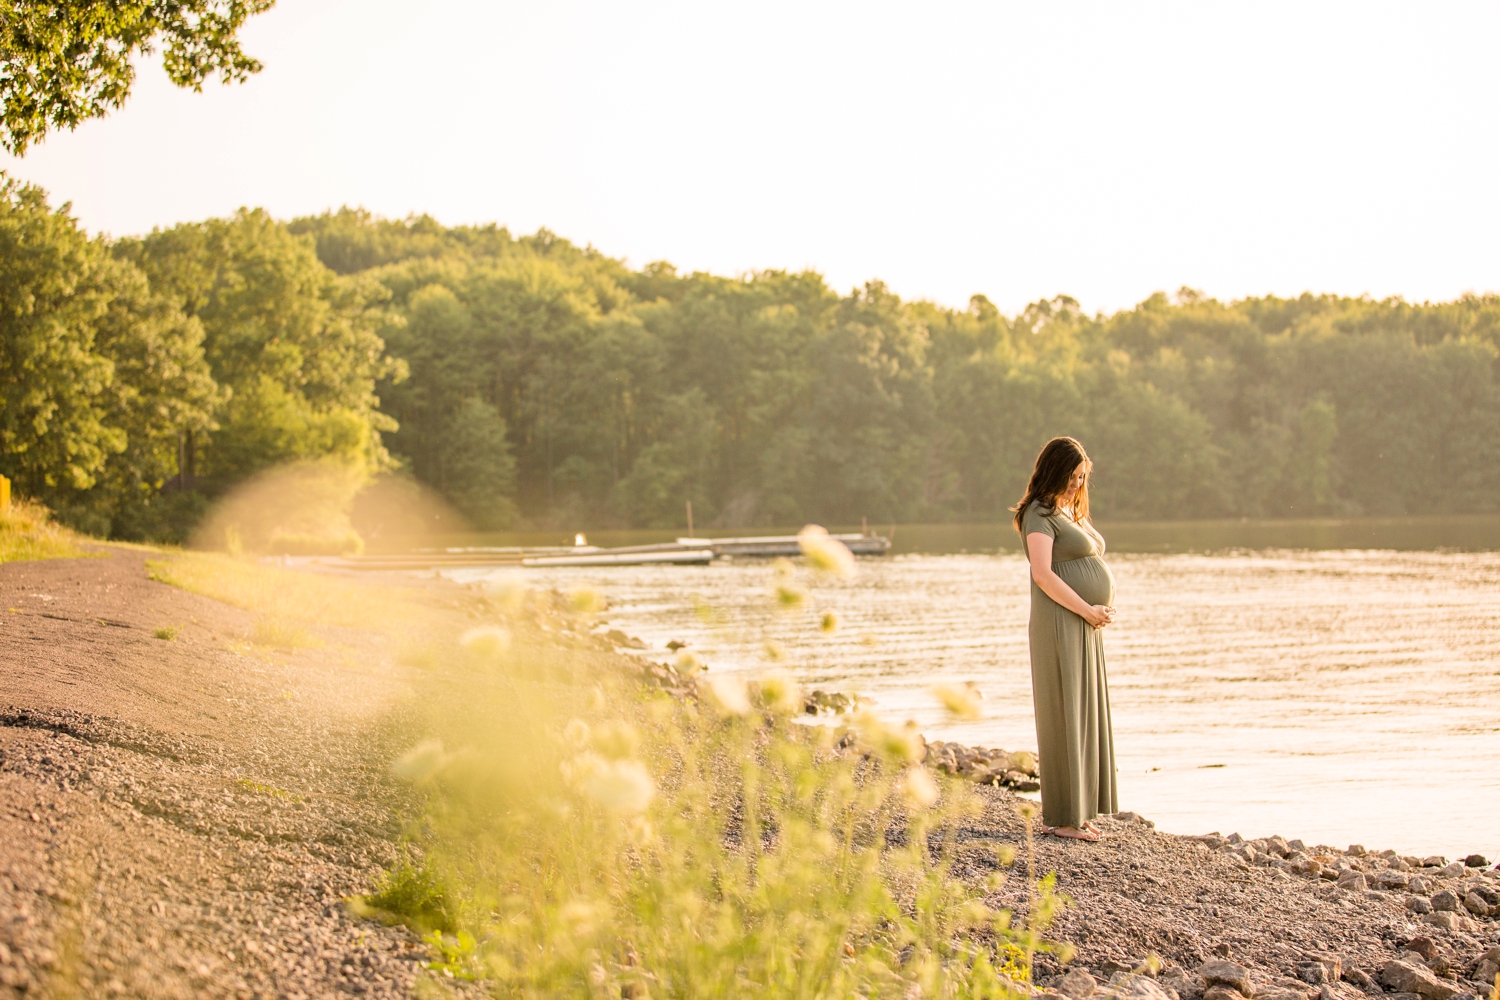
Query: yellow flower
[[892, 743], [727, 694], [789, 596], [921, 791], [586, 601], [828, 555], [960, 703], [780, 694], [619, 785], [486, 640]]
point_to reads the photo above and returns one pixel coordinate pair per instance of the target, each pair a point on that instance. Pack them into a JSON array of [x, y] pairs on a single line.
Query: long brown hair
[[1049, 478]]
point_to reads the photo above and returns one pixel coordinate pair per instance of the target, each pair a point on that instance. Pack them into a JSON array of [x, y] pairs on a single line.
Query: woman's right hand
[[1099, 615]]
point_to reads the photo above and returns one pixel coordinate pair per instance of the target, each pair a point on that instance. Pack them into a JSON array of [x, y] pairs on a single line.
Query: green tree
[[475, 468], [297, 347], [55, 289], [162, 397], [66, 61]]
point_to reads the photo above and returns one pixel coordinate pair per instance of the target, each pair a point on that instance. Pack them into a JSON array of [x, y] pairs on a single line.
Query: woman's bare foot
[[1071, 833], [1089, 825]]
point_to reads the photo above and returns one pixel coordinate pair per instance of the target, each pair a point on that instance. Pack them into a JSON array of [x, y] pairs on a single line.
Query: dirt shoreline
[[183, 818]]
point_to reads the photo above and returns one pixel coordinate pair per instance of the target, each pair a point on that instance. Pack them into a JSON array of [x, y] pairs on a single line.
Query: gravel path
[[181, 818]]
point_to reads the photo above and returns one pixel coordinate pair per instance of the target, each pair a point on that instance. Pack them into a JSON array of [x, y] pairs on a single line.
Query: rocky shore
[[1261, 919], [1228, 918], [184, 817]]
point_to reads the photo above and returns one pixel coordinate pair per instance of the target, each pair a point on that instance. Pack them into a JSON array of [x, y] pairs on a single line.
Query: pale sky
[[1102, 150]]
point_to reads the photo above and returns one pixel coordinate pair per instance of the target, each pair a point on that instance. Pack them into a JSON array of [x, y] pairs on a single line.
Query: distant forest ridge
[[536, 383]]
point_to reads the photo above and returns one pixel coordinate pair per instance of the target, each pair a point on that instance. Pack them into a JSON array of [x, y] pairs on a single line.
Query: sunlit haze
[[1099, 150]]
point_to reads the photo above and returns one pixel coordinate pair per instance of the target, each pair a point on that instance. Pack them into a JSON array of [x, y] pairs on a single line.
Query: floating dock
[[682, 552]]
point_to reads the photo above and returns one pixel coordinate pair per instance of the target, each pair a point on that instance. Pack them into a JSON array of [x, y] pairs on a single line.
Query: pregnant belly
[[1090, 578]]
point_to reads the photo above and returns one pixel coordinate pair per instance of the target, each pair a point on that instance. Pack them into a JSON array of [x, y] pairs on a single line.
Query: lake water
[[1340, 695]]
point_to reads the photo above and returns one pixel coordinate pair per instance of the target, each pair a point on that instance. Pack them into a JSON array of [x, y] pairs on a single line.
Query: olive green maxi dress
[[1075, 741]]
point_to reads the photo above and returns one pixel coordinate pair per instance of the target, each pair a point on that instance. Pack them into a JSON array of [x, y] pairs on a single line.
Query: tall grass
[[284, 595], [26, 532], [585, 834]]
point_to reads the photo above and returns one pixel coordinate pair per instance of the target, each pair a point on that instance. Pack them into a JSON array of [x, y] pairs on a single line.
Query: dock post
[[690, 518]]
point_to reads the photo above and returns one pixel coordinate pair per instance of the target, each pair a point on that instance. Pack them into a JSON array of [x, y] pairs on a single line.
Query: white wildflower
[[826, 554]]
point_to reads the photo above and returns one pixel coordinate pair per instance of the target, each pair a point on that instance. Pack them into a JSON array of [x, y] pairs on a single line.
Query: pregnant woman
[[1072, 598]]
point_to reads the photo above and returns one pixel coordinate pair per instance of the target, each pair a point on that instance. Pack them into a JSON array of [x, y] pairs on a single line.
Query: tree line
[[533, 382]]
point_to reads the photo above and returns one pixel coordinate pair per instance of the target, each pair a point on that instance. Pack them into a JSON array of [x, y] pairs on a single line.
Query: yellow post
[[4, 495]]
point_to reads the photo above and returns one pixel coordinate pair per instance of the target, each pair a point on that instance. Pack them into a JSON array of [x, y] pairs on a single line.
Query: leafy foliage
[[531, 382], [769, 399], [140, 378], [63, 62], [26, 532]]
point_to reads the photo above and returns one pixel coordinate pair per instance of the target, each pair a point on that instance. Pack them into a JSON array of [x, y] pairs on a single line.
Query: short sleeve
[[1032, 522]]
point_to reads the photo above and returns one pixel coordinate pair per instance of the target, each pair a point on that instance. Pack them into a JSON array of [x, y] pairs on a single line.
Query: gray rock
[[1399, 865], [1130, 987], [1404, 977], [1419, 905], [1339, 991], [1418, 885], [1281, 993], [1313, 974], [1333, 966], [1296, 845], [1220, 991], [1363, 980], [1278, 846], [1310, 867], [1445, 900], [1436, 861], [1077, 984], [1217, 972], [1476, 861], [1453, 871], [1183, 984], [1389, 880], [1446, 919], [1358, 851], [1489, 895], [1352, 880], [1475, 904]]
